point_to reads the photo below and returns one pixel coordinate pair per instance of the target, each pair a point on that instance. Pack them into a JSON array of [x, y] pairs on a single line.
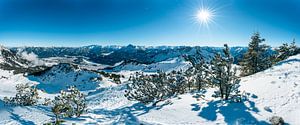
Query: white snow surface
[[62, 76], [275, 91], [177, 64]]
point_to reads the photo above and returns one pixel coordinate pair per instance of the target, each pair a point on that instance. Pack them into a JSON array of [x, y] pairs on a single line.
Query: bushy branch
[[69, 103], [285, 50], [147, 88], [26, 96]]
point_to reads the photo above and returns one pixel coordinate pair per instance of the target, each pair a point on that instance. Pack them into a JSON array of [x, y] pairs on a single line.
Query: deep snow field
[[274, 92]]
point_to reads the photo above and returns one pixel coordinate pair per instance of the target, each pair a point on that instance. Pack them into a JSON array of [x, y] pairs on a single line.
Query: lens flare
[[204, 16]]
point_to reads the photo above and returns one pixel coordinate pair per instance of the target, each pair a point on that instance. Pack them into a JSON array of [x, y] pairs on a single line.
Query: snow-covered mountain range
[[17, 63], [110, 55]]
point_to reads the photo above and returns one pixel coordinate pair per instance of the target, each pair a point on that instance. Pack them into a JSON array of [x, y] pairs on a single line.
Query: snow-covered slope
[[275, 91], [8, 81], [63, 75], [177, 64]]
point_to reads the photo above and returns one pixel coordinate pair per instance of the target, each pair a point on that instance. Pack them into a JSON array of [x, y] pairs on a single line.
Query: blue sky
[[146, 22]]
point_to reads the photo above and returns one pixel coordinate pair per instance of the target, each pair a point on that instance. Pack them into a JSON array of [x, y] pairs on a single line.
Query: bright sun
[[204, 16]]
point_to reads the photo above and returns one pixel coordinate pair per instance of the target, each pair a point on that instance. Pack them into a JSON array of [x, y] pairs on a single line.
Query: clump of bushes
[[150, 88], [161, 86], [68, 104], [26, 96], [276, 120], [115, 77]]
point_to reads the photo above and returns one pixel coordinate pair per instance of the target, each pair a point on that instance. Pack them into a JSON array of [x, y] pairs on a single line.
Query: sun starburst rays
[[205, 16]]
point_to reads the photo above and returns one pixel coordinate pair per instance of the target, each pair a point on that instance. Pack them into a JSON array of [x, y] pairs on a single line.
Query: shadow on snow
[[233, 113], [15, 116], [288, 61], [126, 115]]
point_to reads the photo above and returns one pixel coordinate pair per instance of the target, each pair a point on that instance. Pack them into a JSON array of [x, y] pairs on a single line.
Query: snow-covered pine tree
[[224, 76], [148, 88], [231, 79], [177, 82], [293, 48], [201, 74], [256, 58], [189, 75], [199, 69], [284, 51], [217, 69]]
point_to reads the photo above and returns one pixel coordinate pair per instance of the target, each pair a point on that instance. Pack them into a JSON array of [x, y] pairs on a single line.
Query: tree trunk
[[56, 120], [221, 91], [189, 85], [226, 97], [154, 104], [199, 86]]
